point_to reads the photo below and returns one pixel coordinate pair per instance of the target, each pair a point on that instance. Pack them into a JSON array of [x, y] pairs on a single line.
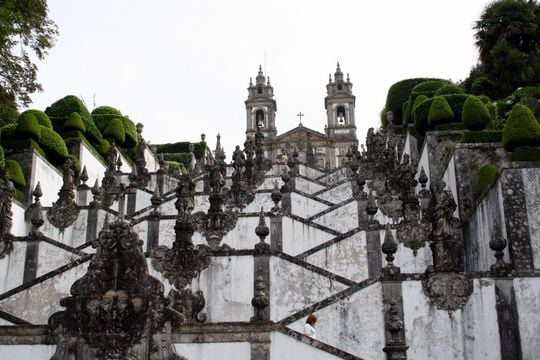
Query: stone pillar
[[93, 212], [260, 346], [152, 238], [131, 193], [31, 259], [276, 233], [516, 220]]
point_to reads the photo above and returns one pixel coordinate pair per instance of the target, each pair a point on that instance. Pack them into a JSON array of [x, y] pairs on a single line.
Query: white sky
[[182, 67]]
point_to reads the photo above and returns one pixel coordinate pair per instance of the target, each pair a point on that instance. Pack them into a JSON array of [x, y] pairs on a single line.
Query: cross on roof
[[300, 116]]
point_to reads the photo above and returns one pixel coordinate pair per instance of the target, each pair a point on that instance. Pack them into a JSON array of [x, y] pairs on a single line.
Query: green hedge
[[103, 115], [182, 158], [115, 132], [482, 85], [421, 112], [521, 128], [447, 127], [132, 138], [183, 147], [475, 115], [450, 89], [54, 146], [440, 112], [28, 127], [398, 94], [74, 123], [103, 147], [42, 118], [486, 175], [60, 111], [15, 172], [485, 136], [427, 88], [525, 153]]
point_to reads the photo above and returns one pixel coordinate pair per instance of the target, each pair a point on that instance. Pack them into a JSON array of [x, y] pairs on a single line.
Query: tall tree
[[25, 30], [507, 36]]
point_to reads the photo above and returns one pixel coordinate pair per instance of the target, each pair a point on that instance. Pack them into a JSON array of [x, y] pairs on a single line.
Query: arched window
[[259, 118], [339, 87], [259, 90], [340, 114]]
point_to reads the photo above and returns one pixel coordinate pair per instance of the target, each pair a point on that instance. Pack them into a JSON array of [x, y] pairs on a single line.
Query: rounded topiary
[[475, 116], [15, 172], [419, 99], [60, 111], [28, 127], [440, 112], [132, 137], [450, 89], [486, 174], [115, 131], [54, 146], [103, 115], [103, 147], [74, 123], [7, 132], [521, 128], [42, 118]]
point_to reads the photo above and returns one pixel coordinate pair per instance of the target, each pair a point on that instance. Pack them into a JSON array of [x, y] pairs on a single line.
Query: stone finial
[[64, 211], [422, 178], [96, 191], [262, 232], [371, 207], [389, 248], [498, 244], [35, 211], [276, 198], [260, 300], [156, 199], [285, 177], [84, 178]]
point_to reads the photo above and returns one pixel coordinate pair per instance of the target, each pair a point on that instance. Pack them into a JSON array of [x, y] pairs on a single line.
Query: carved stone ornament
[[65, 211], [187, 305], [262, 232], [390, 206], [110, 182], [116, 306], [413, 235], [394, 324], [260, 300], [7, 191], [448, 290], [240, 193]]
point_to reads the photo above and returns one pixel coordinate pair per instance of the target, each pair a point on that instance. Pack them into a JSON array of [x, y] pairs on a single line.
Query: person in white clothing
[[309, 327]]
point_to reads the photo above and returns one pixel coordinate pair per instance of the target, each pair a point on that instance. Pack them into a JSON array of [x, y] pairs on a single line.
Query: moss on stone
[[486, 174], [521, 128]]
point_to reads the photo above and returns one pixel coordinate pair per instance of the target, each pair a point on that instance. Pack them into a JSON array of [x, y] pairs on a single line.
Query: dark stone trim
[[330, 209], [317, 344], [63, 246], [315, 225], [315, 181], [374, 252], [46, 276], [508, 320], [322, 191], [12, 319], [25, 334], [327, 244], [276, 233], [31, 261], [312, 197]]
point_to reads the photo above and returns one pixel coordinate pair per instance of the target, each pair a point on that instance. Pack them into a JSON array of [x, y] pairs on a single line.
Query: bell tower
[[339, 103], [261, 107]]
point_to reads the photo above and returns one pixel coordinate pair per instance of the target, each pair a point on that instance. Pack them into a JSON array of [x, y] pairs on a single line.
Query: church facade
[[325, 149]]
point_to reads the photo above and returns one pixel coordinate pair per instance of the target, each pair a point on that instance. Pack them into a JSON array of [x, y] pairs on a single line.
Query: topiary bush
[[42, 118], [419, 99], [183, 147], [482, 85], [60, 111], [103, 115], [28, 127], [115, 132], [54, 146], [450, 126], [440, 112], [486, 175], [427, 88], [74, 123], [521, 128], [103, 147], [130, 130], [7, 132], [449, 89], [15, 172], [475, 115], [398, 94]]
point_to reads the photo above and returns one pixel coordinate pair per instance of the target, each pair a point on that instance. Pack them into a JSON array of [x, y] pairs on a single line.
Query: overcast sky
[[182, 67]]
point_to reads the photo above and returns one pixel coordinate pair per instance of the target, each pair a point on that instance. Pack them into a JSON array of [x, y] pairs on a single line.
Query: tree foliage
[[25, 30]]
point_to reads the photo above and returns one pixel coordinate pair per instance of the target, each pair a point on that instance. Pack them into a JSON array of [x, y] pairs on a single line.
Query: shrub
[[8, 113], [103, 115], [15, 172], [419, 99], [482, 85], [183, 147], [103, 147], [481, 136], [130, 130], [405, 111], [398, 94], [7, 132], [525, 153], [28, 126], [182, 158], [60, 111], [74, 123], [54, 146], [485, 99], [427, 88], [42, 118], [521, 128], [115, 131], [450, 126], [440, 112], [172, 166], [475, 115], [420, 116], [449, 89], [486, 174]]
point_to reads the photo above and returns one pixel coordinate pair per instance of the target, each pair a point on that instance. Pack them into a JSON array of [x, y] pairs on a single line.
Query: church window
[[259, 90], [340, 87], [340, 112], [259, 118]]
